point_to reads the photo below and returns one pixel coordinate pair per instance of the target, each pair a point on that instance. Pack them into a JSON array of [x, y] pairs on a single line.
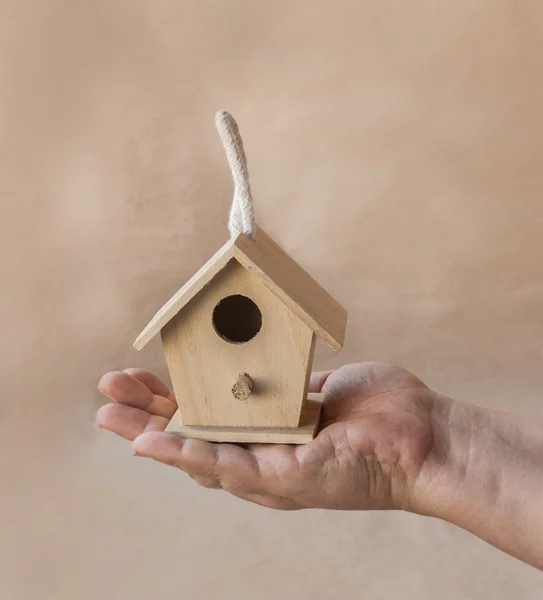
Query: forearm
[[486, 475]]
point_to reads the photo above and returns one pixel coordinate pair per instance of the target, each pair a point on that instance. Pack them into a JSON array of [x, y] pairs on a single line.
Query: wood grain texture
[[296, 288], [203, 365], [278, 272], [302, 434], [193, 286]]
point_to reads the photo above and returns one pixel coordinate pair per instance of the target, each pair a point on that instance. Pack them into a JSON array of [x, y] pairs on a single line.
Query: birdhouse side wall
[[203, 366]]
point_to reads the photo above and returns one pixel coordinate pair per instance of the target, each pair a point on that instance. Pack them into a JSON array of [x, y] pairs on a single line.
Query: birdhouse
[[239, 338]]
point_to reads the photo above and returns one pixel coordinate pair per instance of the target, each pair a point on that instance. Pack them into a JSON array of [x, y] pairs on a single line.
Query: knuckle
[[211, 470], [207, 482]]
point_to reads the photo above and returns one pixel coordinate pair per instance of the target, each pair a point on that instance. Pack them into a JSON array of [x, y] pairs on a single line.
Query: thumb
[[317, 381]]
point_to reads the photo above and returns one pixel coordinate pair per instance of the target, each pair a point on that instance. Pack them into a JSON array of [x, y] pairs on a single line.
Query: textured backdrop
[[395, 151]]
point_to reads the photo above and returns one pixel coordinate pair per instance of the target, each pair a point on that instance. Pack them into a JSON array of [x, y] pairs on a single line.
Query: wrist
[[459, 466], [484, 473]]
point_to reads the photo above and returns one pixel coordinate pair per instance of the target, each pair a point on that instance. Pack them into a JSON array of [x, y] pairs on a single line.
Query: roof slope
[[278, 272]]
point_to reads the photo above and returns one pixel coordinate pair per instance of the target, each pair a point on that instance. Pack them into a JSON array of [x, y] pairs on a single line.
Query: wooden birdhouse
[[239, 338]]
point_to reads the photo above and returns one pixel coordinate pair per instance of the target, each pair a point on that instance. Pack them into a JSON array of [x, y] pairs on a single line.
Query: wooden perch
[[243, 387]]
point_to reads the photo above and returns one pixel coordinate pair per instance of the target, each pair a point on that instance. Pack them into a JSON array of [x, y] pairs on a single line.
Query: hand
[[386, 441], [375, 436]]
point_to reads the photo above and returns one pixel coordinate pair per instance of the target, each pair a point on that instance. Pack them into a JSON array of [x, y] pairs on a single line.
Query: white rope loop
[[242, 218]]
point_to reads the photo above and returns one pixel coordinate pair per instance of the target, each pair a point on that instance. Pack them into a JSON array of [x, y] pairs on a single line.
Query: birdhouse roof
[[278, 272]]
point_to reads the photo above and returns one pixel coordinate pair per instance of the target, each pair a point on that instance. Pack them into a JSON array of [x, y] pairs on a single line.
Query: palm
[[375, 435], [376, 427]]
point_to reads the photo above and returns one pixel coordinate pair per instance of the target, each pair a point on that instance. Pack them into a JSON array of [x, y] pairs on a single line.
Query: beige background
[[396, 152]]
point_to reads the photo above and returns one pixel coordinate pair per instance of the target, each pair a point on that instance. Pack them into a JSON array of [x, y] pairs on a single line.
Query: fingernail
[[103, 391]]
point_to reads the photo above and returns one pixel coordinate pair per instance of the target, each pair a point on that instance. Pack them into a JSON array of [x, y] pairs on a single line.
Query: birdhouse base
[[302, 434]]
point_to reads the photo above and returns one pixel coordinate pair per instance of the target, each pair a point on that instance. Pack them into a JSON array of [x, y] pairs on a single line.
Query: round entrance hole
[[237, 319]]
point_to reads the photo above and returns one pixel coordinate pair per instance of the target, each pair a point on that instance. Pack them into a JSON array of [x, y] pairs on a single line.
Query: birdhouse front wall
[[212, 341]]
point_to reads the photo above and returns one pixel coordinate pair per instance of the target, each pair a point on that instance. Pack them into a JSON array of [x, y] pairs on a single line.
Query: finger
[[264, 469], [195, 457], [269, 501], [126, 389], [266, 501], [208, 482], [317, 380], [127, 421], [152, 382], [280, 469]]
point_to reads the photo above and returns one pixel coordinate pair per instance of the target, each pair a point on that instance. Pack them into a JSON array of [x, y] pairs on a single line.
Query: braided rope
[[242, 218]]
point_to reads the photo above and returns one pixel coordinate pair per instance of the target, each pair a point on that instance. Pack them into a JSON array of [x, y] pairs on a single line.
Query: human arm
[[386, 442], [485, 474]]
